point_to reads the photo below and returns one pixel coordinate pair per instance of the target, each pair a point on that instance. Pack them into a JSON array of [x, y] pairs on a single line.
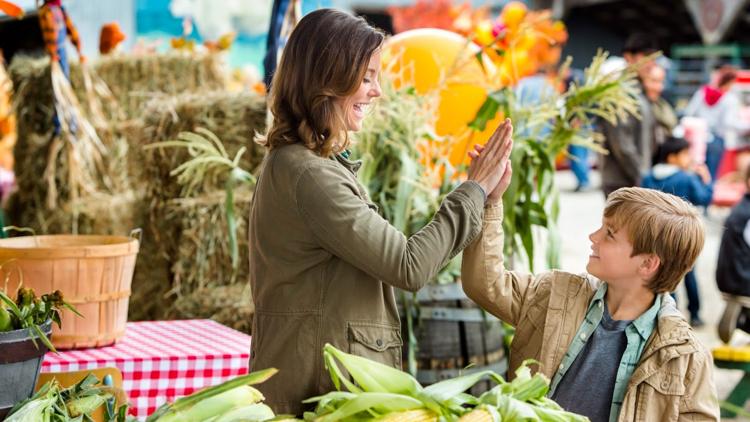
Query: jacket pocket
[[379, 342], [658, 397]]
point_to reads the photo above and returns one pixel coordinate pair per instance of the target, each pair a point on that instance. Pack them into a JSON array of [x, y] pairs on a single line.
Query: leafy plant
[[543, 131], [28, 311]]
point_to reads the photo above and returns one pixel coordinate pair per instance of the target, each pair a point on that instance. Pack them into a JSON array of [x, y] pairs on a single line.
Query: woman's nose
[[376, 91]]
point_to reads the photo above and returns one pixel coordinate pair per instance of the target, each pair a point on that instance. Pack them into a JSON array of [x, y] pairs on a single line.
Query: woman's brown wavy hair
[[325, 59]]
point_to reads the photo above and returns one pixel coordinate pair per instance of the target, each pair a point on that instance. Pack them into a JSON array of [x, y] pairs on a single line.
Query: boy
[[612, 341], [675, 173], [733, 267]]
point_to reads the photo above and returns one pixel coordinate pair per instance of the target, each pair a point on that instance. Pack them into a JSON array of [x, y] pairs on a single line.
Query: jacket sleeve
[[484, 278], [621, 144], [346, 226], [700, 193], [49, 32], [700, 401]]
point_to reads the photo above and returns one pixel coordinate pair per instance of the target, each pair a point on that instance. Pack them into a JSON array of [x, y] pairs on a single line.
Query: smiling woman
[[323, 261]]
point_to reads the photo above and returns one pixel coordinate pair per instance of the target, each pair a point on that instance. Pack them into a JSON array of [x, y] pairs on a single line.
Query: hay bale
[[137, 79], [192, 232], [133, 79]]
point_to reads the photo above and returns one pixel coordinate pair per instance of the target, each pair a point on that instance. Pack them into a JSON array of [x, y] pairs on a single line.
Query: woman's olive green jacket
[[323, 264]]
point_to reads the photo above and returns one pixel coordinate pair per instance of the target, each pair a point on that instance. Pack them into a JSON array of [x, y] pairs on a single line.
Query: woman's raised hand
[[490, 164]]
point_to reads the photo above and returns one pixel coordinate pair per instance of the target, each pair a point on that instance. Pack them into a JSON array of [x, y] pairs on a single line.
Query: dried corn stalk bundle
[[190, 228], [77, 181]]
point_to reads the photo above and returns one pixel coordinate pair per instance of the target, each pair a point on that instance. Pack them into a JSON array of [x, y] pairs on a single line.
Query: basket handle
[[137, 234]]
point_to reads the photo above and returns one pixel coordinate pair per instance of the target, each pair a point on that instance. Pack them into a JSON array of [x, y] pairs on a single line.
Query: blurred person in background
[[629, 142], [720, 107], [665, 119], [676, 173], [733, 265]]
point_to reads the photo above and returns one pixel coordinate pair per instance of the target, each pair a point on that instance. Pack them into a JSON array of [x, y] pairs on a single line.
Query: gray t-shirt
[[588, 385]]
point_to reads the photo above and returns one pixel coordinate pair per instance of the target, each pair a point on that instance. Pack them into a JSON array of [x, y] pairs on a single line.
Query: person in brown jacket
[[323, 262], [612, 341]]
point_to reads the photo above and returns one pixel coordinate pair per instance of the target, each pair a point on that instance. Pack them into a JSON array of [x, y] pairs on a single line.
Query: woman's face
[[355, 106]]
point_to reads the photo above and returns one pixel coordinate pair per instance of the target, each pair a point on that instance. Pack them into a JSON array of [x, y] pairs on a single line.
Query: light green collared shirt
[[637, 333]]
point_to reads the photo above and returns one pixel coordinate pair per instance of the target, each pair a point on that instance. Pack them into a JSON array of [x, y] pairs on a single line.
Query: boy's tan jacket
[[673, 380]]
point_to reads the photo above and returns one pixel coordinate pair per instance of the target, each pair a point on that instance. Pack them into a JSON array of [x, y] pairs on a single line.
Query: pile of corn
[[382, 393]]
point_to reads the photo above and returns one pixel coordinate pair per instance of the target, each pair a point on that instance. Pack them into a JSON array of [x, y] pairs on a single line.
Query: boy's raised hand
[[500, 144]]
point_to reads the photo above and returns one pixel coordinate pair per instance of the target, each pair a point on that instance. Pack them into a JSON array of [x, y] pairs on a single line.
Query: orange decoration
[[513, 14], [10, 9], [436, 59], [109, 37]]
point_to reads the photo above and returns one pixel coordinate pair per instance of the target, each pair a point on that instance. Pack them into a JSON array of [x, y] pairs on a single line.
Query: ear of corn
[[256, 412], [488, 414], [375, 403], [372, 377], [417, 415], [214, 405], [451, 388], [214, 401], [85, 405]]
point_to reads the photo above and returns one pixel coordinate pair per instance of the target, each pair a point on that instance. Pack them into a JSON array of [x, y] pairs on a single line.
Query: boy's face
[[682, 159], [610, 258]]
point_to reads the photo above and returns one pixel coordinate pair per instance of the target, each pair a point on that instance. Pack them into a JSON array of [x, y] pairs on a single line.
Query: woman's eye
[[367, 80]]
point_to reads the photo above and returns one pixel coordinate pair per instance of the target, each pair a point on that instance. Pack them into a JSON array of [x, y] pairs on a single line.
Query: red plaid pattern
[[161, 361]]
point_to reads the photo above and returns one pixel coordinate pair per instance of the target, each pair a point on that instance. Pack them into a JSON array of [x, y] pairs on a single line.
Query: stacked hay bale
[[184, 269], [191, 232]]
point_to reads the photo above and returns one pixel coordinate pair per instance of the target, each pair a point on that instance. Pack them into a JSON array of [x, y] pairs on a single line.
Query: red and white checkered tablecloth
[[163, 360]]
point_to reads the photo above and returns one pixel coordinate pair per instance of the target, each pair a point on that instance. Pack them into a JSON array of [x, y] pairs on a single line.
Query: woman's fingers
[[496, 140]]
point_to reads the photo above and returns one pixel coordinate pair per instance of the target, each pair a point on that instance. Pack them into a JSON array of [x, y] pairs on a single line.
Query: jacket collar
[[671, 338], [351, 165]]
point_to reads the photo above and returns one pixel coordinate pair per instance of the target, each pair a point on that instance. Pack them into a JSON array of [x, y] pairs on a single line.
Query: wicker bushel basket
[[93, 273]]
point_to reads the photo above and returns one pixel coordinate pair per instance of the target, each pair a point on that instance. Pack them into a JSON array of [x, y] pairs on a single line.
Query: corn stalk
[[210, 161], [545, 130]]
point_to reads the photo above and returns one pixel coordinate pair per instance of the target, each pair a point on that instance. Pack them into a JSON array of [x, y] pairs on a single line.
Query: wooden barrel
[[93, 273], [453, 333]]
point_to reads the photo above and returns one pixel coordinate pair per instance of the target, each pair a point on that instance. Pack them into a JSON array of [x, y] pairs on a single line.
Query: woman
[[720, 106], [323, 262]]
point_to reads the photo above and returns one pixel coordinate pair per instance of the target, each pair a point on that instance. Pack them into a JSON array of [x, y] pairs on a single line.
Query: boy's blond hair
[[662, 224]]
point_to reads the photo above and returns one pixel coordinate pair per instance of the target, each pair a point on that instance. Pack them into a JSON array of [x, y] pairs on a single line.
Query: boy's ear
[[649, 266]]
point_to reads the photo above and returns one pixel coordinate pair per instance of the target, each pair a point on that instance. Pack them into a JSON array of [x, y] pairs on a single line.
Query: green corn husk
[[85, 405], [252, 413], [214, 401], [378, 404], [379, 392], [370, 376]]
